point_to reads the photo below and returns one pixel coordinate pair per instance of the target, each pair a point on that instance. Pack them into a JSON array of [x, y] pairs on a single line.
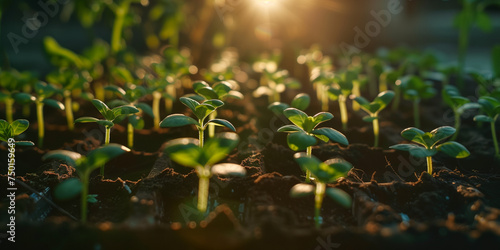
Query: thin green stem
[[69, 109], [83, 198], [457, 125], [343, 112], [429, 164], [324, 97], [201, 134], [9, 103], [357, 92], [106, 142], [211, 126], [397, 98], [375, 131], [121, 12], [203, 187], [308, 173], [416, 112], [156, 109], [41, 127], [130, 135], [169, 101], [494, 135], [382, 86], [318, 201], [276, 97]]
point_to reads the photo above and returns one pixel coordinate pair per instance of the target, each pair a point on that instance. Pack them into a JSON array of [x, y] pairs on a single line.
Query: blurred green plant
[[491, 109], [457, 103], [10, 130], [414, 90]]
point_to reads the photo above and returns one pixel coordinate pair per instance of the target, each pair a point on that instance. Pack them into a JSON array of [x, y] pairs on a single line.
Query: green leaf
[[453, 149], [217, 148], [234, 94], [369, 118], [5, 130], [322, 137], [117, 103], [332, 134], [339, 196], [190, 103], [124, 110], [222, 122], [415, 150], [68, 189], [321, 117], [92, 198], [86, 119], [23, 98], [18, 126], [136, 121], [105, 123], [296, 116], [483, 21], [53, 103], [102, 108], [177, 120], [214, 102], [289, 128], [466, 106], [25, 143], [341, 167], [307, 163], [362, 102], [300, 141], [383, 99], [203, 110], [301, 101], [441, 133], [71, 158], [301, 190], [100, 156], [482, 118], [200, 84], [413, 134], [278, 107], [145, 108], [184, 151], [230, 169], [207, 92], [222, 89], [115, 89]]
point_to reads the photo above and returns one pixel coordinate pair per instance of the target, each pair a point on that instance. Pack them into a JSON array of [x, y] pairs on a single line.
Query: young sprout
[[428, 144], [491, 109], [321, 80], [341, 90], [68, 82], [43, 92], [11, 82], [304, 134], [373, 108], [187, 152], [201, 111], [277, 83], [300, 102], [157, 89], [111, 116], [220, 91], [375, 69], [323, 172], [84, 166], [8, 131], [130, 96], [415, 89], [457, 103]]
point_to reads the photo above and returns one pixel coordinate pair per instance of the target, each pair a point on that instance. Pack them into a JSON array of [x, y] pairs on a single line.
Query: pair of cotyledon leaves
[[304, 132], [378, 104], [110, 115], [43, 92], [16, 128], [324, 172], [429, 143], [300, 101], [490, 106]]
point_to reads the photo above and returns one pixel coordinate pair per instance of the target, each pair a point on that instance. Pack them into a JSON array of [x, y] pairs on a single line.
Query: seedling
[[43, 92], [373, 109], [11, 82], [131, 96], [323, 172], [428, 144], [110, 117], [304, 134], [8, 131], [491, 109], [340, 91], [68, 81], [415, 89], [187, 152], [375, 69], [84, 166], [457, 103], [321, 80], [201, 111], [220, 91], [277, 83], [300, 102]]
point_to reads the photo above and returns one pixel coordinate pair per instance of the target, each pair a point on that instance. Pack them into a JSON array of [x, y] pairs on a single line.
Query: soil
[[146, 201]]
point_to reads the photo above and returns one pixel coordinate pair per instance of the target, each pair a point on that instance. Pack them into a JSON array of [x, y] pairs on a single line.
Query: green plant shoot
[[84, 166], [457, 103], [300, 102], [277, 83], [415, 89], [201, 111], [304, 134], [491, 109], [373, 109], [187, 152], [340, 91], [430, 144], [8, 131], [323, 172]]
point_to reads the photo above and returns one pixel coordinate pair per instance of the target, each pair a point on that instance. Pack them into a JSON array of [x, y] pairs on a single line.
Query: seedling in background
[[11, 82], [277, 83], [373, 109], [340, 91], [84, 166], [375, 68], [220, 91], [43, 91], [304, 134], [13, 129], [457, 103], [157, 89], [187, 152], [428, 144], [323, 172], [300, 102], [415, 89], [68, 82], [491, 109], [201, 111], [131, 96], [110, 117]]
